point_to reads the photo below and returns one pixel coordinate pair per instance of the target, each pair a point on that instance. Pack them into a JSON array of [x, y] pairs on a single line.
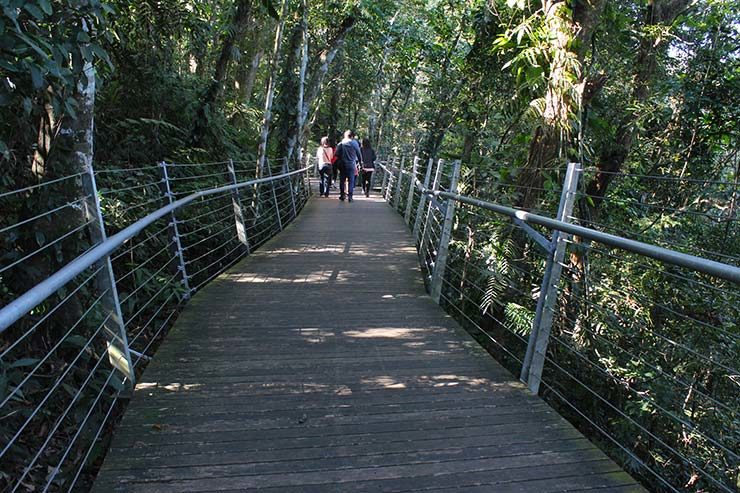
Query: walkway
[[319, 364]]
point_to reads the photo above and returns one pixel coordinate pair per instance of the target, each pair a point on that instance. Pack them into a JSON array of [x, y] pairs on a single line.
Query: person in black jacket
[[348, 157], [368, 165]]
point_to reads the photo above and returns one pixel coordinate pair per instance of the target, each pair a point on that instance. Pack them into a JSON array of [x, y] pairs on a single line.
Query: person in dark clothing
[[324, 158], [348, 156], [368, 165], [334, 164]]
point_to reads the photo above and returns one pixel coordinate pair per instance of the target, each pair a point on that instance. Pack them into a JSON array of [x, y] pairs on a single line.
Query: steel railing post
[[286, 168], [241, 228], [307, 179], [397, 196], [119, 353], [422, 201], [391, 176], [175, 231], [440, 263], [384, 183], [412, 186], [274, 195], [430, 206], [534, 359]]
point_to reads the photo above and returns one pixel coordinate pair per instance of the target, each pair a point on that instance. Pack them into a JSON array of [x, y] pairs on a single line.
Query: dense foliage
[[646, 95]]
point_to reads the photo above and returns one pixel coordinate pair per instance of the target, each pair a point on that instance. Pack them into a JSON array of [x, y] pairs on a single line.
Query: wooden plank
[[320, 364]]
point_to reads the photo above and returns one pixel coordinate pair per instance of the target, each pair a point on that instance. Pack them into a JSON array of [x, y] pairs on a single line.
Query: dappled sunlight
[[313, 277], [387, 333], [455, 380], [384, 381], [169, 387], [343, 390], [401, 296], [357, 250], [314, 335]]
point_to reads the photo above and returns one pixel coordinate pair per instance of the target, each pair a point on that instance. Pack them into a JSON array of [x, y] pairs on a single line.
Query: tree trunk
[[247, 83], [376, 100], [267, 118], [215, 90], [612, 157], [44, 137], [292, 153], [443, 117], [570, 35], [384, 112], [321, 63]]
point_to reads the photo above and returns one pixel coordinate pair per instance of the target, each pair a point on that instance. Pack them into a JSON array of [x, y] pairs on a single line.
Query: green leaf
[[3, 386], [116, 383], [271, 9], [76, 340], [37, 78], [69, 108], [46, 6], [11, 14], [30, 43], [20, 363], [34, 11], [83, 37]]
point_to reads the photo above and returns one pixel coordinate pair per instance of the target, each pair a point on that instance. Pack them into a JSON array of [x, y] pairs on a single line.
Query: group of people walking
[[348, 160]]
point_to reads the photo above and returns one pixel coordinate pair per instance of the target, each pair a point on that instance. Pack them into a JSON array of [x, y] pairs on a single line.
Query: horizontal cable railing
[[104, 277], [635, 343]]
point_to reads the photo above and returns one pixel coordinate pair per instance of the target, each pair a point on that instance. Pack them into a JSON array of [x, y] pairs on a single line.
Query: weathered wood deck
[[319, 364]]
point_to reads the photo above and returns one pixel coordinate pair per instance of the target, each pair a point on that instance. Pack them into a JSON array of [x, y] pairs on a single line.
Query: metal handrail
[[698, 264], [588, 335], [688, 261], [19, 307]]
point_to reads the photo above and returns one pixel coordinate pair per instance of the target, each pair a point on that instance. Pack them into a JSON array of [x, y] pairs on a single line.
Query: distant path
[[319, 364]]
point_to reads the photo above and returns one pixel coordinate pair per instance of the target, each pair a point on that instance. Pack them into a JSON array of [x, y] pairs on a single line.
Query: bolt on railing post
[[119, 353], [397, 196], [430, 206], [534, 359], [440, 263], [175, 231], [422, 201], [274, 195], [410, 197], [236, 201], [290, 185]]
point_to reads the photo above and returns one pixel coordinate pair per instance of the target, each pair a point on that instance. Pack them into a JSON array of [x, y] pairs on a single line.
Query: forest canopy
[[645, 95]]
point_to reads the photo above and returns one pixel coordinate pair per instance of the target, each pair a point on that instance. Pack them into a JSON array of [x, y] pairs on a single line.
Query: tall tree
[[658, 14], [559, 34], [233, 33]]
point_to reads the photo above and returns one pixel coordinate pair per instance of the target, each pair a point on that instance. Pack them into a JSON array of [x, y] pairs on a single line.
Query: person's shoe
[[350, 198], [341, 198], [367, 194]]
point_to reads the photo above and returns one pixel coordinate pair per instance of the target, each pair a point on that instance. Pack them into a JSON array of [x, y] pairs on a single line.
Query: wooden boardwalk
[[319, 364]]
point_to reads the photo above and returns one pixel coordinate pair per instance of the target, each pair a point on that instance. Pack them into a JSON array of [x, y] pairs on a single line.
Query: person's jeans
[[335, 171], [324, 180], [346, 173], [367, 178]]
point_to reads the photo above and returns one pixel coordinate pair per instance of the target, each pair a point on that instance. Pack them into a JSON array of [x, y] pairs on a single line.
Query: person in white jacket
[[324, 158]]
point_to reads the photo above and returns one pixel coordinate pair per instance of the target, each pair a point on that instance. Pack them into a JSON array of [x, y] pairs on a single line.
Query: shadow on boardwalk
[[319, 364]]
